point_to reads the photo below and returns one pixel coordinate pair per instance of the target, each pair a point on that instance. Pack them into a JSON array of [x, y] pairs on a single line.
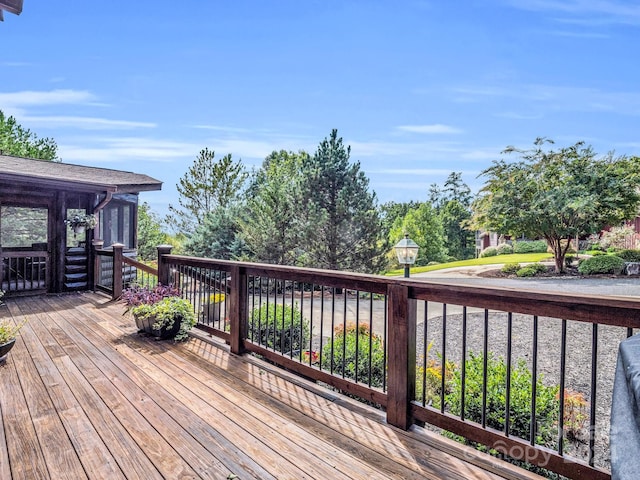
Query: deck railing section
[[429, 352], [115, 270], [22, 271]]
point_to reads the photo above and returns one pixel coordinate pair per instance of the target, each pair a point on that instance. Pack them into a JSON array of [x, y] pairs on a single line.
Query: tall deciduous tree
[[424, 227], [557, 194], [150, 233], [343, 225], [206, 186], [271, 226], [21, 142]]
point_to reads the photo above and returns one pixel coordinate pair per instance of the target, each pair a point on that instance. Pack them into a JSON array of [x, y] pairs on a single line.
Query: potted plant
[[214, 307], [160, 311], [8, 334], [79, 223]]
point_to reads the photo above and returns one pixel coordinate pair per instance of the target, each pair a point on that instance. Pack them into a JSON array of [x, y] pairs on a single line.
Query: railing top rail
[[25, 254], [140, 265], [332, 278], [603, 309]]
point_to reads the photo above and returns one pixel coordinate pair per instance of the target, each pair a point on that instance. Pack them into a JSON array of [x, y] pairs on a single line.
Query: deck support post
[[117, 270], [164, 275], [401, 359], [238, 309]]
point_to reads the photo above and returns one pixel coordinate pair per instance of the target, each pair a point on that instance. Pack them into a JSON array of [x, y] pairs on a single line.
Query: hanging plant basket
[[79, 223]]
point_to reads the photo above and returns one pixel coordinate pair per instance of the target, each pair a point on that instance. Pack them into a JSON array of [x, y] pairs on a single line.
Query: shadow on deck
[[82, 395]]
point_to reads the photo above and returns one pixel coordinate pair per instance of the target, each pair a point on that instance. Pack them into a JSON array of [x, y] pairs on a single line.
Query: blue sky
[[417, 88]]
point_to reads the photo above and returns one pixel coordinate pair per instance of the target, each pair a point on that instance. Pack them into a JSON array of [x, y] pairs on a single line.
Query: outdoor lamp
[[407, 251]]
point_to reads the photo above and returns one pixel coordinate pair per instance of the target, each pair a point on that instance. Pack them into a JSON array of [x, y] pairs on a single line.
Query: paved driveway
[[625, 286]]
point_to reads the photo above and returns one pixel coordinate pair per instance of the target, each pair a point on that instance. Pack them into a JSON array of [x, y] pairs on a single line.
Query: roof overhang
[[13, 6], [39, 174]]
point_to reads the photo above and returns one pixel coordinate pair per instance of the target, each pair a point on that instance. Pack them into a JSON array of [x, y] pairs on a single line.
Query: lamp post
[[407, 251]]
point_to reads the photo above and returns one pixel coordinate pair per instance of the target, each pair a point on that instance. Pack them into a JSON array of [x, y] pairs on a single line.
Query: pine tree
[[273, 218], [343, 225], [205, 187]]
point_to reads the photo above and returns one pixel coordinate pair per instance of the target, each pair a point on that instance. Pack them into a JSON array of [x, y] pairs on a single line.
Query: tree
[[557, 194], [150, 233], [343, 226], [453, 203], [206, 186], [424, 227], [460, 241], [21, 142], [391, 211], [217, 236], [456, 189], [271, 226]]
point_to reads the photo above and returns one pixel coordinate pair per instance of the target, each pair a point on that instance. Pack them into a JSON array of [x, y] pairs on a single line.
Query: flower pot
[[145, 324], [4, 349], [78, 229]]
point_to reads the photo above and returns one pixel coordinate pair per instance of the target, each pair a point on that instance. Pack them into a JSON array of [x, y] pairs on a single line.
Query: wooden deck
[[82, 395]]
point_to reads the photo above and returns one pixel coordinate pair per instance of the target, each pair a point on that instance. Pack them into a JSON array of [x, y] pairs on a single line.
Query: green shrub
[[629, 255], [279, 327], [510, 268], [601, 264], [504, 249], [595, 253], [489, 252], [528, 271], [345, 355], [539, 267], [530, 246], [547, 401]]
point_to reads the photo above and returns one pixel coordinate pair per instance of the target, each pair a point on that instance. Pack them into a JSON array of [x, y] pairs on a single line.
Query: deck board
[[82, 395]]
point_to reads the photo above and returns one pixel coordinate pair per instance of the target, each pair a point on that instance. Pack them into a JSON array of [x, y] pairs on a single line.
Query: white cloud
[[436, 128], [586, 12], [54, 97], [126, 149], [557, 98], [84, 123]]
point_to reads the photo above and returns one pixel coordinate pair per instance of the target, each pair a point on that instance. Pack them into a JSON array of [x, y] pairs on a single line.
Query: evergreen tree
[[217, 236], [206, 186], [343, 225], [271, 226]]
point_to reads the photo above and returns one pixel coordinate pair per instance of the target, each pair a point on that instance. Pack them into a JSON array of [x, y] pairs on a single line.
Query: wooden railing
[[114, 270], [23, 270], [414, 342]]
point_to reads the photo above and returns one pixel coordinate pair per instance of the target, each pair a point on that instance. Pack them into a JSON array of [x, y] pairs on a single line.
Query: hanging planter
[[79, 223]]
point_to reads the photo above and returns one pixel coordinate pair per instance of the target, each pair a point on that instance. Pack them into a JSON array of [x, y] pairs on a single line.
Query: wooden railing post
[[117, 270], [238, 309], [401, 359], [164, 275]]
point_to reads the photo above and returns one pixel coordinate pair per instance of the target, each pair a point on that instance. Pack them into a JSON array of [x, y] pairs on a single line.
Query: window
[[117, 221], [23, 226]]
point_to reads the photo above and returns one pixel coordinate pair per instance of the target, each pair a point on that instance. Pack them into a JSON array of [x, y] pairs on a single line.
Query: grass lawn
[[497, 260]]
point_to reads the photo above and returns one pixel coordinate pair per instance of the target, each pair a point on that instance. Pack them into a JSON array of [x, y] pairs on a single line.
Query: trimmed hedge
[[489, 252], [601, 264], [504, 249], [530, 246], [629, 255]]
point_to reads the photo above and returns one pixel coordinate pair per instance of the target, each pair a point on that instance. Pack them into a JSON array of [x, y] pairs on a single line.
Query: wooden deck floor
[[82, 395]]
